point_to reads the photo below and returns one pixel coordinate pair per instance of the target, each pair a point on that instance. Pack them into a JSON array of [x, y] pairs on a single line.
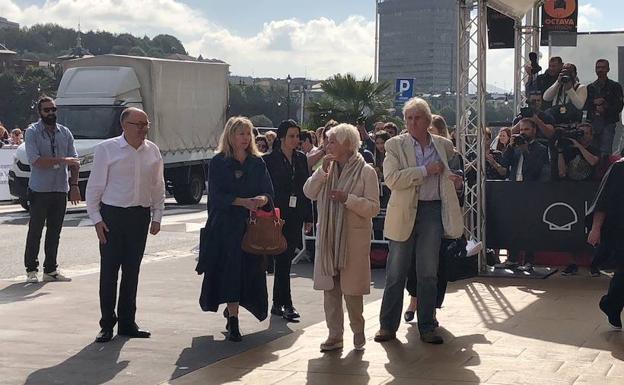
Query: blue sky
[[266, 37]]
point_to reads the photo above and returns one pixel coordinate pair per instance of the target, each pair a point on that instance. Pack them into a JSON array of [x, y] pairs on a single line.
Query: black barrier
[[537, 216]]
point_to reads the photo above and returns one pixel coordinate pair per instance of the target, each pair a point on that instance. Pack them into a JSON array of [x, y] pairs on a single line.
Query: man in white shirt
[[125, 184]]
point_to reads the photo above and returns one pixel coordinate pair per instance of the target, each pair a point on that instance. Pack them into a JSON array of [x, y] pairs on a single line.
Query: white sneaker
[[31, 277], [55, 276]]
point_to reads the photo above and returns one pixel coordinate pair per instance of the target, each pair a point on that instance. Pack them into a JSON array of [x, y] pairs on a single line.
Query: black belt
[[436, 202], [131, 208]]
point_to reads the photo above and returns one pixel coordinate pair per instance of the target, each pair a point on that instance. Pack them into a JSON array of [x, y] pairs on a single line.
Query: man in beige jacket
[[423, 208]]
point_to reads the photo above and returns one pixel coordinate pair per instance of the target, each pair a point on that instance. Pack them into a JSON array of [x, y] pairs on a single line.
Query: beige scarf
[[332, 241]]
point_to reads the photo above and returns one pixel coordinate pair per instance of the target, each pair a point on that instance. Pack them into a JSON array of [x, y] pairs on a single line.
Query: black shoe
[[134, 333], [571, 269], [594, 272], [277, 310], [290, 313], [614, 318], [234, 334], [408, 316], [104, 335]]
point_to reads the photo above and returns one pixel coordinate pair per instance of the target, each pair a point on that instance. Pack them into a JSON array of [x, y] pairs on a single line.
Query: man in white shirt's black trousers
[[126, 190]]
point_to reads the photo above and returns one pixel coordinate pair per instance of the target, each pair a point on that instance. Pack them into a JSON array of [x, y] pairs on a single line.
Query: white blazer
[[404, 178]]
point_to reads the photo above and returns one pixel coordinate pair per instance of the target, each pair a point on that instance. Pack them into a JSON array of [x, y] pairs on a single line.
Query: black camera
[[519, 139], [527, 112], [566, 76], [562, 138], [535, 67]]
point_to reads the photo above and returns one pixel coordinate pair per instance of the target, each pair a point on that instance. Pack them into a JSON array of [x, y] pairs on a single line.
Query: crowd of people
[[339, 172], [12, 139], [565, 133]]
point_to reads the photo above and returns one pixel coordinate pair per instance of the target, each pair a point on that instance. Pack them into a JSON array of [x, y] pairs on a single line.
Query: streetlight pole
[[302, 94], [288, 80]]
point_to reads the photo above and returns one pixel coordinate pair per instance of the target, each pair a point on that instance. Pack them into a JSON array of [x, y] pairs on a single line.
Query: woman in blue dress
[[238, 182]]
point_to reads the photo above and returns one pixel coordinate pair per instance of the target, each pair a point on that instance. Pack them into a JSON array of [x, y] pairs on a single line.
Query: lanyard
[[52, 141], [292, 168]]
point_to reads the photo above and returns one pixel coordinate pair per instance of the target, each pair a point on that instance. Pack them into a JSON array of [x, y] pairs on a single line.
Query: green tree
[[349, 100], [261, 121], [169, 44], [136, 51]]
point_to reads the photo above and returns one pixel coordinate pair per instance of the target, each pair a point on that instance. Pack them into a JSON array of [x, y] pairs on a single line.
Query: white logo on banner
[[557, 227]]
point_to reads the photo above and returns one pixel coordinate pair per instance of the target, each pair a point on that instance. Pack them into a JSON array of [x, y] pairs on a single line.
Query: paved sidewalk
[[47, 329], [498, 331]]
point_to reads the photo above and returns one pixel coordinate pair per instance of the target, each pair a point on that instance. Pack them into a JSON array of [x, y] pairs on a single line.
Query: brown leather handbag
[[264, 233]]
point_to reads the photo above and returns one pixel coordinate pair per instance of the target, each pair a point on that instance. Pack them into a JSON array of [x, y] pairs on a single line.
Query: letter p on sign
[[404, 89], [404, 85]]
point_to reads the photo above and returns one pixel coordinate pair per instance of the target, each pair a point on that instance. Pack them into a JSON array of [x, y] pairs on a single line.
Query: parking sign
[[404, 90]]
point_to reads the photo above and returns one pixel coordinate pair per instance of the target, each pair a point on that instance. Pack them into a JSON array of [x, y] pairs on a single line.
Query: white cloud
[[316, 48], [589, 18]]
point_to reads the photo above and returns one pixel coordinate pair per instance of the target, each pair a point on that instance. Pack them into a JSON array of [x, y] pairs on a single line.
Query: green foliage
[[136, 51], [254, 100], [261, 121], [168, 44], [350, 100], [20, 93], [48, 41]]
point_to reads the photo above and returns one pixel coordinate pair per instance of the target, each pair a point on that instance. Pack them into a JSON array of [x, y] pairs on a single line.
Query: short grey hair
[[347, 134], [418, 104], [126, 112]]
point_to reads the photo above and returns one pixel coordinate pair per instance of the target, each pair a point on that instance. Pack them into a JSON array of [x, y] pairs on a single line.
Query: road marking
[[93, 268]]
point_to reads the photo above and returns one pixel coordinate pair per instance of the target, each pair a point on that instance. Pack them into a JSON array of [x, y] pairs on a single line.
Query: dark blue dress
[[230, 275]]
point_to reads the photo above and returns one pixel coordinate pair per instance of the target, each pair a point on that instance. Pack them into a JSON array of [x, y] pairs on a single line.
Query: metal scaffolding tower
[[471, 75]]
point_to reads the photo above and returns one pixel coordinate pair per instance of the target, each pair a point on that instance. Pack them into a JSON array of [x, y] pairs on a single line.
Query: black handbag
[[458, 265]]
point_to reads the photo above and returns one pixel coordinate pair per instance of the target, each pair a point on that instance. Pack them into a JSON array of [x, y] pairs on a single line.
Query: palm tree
[[349, 100]]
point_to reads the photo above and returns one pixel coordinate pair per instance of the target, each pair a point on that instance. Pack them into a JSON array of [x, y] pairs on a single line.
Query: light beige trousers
[[334, 315]]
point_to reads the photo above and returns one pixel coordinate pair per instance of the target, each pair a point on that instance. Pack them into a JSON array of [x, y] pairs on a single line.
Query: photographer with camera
[[538, 84], [526, 158], [604, 104], [567, 95], [577, 157]]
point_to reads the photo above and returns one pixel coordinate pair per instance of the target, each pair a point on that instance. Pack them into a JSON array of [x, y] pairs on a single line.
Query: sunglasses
[[49, 109]]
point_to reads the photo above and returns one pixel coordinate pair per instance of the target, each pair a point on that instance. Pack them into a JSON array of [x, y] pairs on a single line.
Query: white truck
[[185, 101]]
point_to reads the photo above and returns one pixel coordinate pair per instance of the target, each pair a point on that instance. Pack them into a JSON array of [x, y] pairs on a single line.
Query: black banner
[[538, 216], [558, 16], [501, 30]]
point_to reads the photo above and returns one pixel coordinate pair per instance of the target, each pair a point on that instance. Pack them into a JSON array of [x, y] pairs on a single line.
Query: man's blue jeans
[[422, 247]]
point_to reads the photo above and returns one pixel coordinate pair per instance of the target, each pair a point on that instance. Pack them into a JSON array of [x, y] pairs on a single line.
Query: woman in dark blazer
[[289, 171], [238, 182]]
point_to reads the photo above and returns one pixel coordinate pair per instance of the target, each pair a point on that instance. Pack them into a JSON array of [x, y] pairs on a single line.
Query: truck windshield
[[91, 122]]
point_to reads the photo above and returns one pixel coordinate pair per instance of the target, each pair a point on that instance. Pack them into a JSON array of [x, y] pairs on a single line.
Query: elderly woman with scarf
[[347, 192]]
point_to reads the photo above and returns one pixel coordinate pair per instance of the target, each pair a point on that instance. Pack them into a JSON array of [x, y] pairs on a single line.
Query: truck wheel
[[191, 193], [24, 203]]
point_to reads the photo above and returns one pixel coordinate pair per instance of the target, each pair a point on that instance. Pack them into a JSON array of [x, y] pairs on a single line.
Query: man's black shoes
[[290, 313], [104, 335], [134, 333], [287, 312]]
